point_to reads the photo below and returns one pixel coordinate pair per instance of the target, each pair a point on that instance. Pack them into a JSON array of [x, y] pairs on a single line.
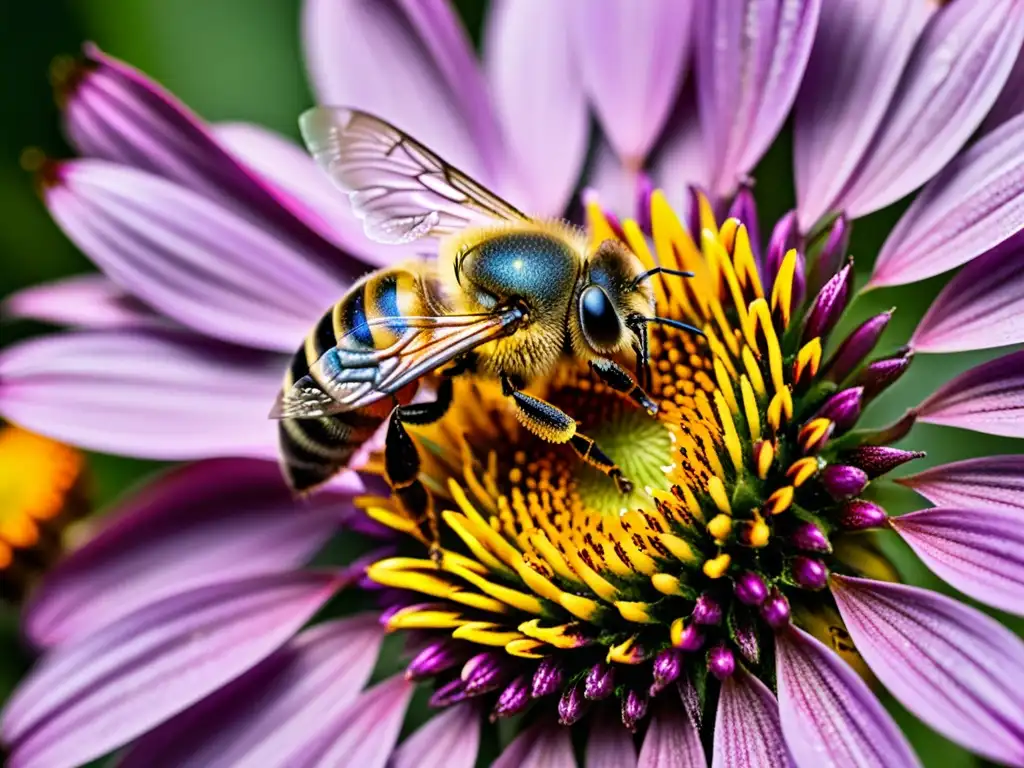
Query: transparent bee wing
[[400, 189]]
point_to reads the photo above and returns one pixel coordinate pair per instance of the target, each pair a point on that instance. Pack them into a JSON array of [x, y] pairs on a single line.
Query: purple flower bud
[[721, 662], [485, 672], [785, 236], [843, 408], [878, 460], [809, 573], [858, 514], [775, 610], [667, 666], [449, 693], [634, 708], [831, 254], [692, 639], [744, 209], [882, 374], [810, 537], [514, 699], [434, 659], [599, 682], [856, 347], [750, 588], [571, 706], [843, 481], [745, 638], [644, 188], [547, 679], [707, 611], [829, 305]]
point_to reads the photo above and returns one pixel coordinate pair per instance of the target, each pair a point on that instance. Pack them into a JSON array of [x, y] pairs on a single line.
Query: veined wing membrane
[[400, 189]]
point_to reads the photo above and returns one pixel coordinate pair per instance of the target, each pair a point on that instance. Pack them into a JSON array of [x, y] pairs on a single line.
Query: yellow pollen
[[716, 489], [782, 291], [802, 470], [716, 567], [675, 632], [780, 500], [758, 533], [720, 527], [813, 434], [808, 360], [764, 455]]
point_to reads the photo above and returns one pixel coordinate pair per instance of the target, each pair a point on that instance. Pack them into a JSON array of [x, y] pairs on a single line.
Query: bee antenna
[[659, 270], [670, 323]]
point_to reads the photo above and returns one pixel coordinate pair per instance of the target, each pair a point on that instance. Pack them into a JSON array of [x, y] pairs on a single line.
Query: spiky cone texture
[[708, 557]]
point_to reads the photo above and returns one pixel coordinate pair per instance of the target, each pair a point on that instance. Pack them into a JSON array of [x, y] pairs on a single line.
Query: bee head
[[610, 294]]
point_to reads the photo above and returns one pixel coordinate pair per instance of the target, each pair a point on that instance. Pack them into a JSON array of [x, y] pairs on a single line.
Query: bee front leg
[[556, 426], [615, 376]]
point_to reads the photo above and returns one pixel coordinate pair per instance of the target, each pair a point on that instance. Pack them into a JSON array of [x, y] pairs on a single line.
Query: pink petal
[[159, 395], [680, 161], [860, 51], [408, 62], [829, 715], [958, 68], [751, 56], [747, 729], [672, 740], [615, 185], [205, 523], [975, 204], [544, 745], [982, 307], [539, 98], [270, 714], [86, 699], [86, 301], [447, 740], [995, 482], [609, 744], [978, 551], [1011, 101], [116, 113], [632, 58], [189, 258], [959, 671], [988, 398]]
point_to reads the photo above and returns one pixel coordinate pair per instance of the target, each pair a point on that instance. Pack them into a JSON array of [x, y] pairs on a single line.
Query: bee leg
[[615, 376], [556, 426], [643, 370]]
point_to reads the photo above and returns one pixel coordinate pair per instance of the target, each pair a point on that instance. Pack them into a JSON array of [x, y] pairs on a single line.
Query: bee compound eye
[[598, 317]]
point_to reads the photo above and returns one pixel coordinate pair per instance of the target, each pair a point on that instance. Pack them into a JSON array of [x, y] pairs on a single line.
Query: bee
[[507, 298]]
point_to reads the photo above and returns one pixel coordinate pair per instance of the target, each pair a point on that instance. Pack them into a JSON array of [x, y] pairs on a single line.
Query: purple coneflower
[[736, 608]]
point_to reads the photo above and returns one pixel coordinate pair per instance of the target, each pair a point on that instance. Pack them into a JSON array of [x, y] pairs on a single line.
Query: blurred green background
[[241, 60]]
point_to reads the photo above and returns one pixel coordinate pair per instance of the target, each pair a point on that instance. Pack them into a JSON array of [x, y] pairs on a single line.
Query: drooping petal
[[544, 745], [90, 697], [955, 668], [539, 100], [976, 203], [988, 398], [632, 58], [861, 48], [672, 740], [680, 161], [205, 523], [982, 307], [609, 744], [991, 481], [958, 68], [747, 729], [190, 258], [114, 112], [159, 395], [411, 64], [751, 56], [1011, 101], [829, 715], [447, 740], [271, 713], [84, 301], [978, 551]]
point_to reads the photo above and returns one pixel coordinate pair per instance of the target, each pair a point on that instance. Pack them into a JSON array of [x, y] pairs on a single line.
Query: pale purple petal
[[615, 185], [958, 68], [955, 668], [860, 51], [544, 745], [632, 58], [829, 715], [988, 398], [751, 56], [1011, 101], [975, 204], [205, 523], [672, 740], [89, 698], [982, 307], [680, 160], [271, 713], [116, 113], [609, 744], [539, 99], [447, 740], [978, 551], [991, 481], [410, 63], [189, 258], [747, 729], [84, 301], [158, 395]]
